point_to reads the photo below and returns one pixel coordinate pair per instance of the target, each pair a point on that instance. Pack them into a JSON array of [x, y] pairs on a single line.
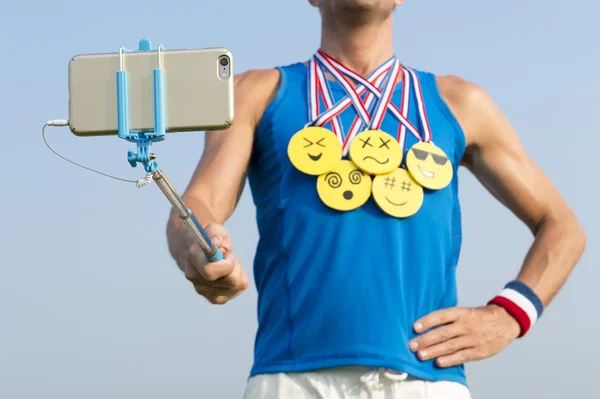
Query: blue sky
[[92, 305]]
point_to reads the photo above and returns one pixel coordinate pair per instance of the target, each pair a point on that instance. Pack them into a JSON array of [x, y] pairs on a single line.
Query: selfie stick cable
[[64, 122], [144, 140]]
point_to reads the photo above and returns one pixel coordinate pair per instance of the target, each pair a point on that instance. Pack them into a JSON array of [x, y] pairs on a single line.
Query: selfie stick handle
[[144, 140], [187, 217]]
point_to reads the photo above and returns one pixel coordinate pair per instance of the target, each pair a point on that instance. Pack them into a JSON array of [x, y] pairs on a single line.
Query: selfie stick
[[144, 140]]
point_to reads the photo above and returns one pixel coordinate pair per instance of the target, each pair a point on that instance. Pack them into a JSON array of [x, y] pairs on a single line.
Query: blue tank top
[[345, 288]]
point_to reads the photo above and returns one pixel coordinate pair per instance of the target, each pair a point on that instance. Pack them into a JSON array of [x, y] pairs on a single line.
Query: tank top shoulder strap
[[289, 76]]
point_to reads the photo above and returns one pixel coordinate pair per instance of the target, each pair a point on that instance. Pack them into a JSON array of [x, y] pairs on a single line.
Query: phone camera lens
[[224, 61]]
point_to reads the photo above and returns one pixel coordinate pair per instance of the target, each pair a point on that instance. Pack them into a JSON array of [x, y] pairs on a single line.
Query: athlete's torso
[[344, 288]]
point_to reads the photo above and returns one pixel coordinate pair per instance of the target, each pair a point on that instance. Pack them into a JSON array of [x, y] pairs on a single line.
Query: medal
[[397, 193], [315, 150], [359, 123], [345, 188], [342, 185], [374, 151], [427, 163]]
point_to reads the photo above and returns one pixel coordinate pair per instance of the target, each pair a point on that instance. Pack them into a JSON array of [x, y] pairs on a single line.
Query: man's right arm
[[218, 181]]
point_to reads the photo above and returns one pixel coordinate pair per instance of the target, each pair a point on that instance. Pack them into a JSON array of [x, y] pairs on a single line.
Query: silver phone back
[[197, 98]]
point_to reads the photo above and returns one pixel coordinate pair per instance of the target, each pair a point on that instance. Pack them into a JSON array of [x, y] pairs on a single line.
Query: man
[[354, 303]]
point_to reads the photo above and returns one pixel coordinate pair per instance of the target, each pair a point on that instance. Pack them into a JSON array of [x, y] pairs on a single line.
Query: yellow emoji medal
[[345, 188], [427, 163], [397, 193], [315, 150]]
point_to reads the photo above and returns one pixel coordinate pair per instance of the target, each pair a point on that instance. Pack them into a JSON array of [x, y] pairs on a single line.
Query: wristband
[[520, 302]]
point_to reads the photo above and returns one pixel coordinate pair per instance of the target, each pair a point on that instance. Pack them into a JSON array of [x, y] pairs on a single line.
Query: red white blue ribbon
[[375, 78], [313, 91], [317, 85], [336, 68], [350, 91], [386, 97], [404, 105], [317, 81], [427, 137], [357, 124], [385, 102]]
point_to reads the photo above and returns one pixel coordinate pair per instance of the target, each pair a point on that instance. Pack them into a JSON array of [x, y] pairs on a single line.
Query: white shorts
[[350, 383]]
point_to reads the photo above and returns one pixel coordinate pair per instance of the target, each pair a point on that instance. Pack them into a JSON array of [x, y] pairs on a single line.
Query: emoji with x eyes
[[429, 165], [345, 188], [397, 193], [314, 150], [375, 152]]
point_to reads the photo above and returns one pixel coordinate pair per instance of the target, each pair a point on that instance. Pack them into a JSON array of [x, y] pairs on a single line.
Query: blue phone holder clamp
[[144, 140]]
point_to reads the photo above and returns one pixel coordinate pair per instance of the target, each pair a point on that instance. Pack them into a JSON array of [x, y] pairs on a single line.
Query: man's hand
[[464, 334], [219, 282]]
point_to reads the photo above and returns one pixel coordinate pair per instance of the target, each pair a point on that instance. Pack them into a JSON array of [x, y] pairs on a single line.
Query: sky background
[[91, 304]]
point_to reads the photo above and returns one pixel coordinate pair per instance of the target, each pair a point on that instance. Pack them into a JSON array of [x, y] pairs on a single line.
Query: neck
[[361, 47]]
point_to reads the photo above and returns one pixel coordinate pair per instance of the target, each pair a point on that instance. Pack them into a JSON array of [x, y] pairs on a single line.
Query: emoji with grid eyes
[[429, 165], [397, 193], [375, 152], [345, 188], [314, 150]]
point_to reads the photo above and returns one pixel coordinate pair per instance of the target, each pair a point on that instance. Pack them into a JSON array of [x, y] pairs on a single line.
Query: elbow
[[568, 227], [575, 232], [580, 236], [578, 240]]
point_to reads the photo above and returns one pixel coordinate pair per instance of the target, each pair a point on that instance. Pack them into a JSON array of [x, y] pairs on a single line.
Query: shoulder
[[257, 77], [458, 90], [469, 102], [257, 83], [254, 90]]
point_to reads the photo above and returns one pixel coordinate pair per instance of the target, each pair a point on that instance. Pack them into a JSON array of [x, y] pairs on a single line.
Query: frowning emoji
[[314, 150], [397, 193], [429, 165], [345, 188], [375, 152]]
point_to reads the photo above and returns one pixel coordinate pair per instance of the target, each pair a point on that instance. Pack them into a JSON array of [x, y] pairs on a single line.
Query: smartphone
[[198, 90]]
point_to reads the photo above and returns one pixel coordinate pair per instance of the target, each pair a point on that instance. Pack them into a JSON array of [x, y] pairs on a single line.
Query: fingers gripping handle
[[213, 254]]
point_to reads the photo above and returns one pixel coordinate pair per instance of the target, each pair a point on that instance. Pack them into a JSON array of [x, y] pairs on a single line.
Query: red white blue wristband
[[520, 302]]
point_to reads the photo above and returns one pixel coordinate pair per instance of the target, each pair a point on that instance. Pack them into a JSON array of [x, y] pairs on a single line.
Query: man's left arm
[[498, 160]]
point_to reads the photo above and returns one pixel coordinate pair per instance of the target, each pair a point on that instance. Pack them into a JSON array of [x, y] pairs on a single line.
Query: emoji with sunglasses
[[375, 152], [345, 188], [429, 165], [397, 193], [315, 150]]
